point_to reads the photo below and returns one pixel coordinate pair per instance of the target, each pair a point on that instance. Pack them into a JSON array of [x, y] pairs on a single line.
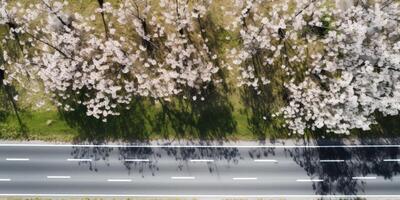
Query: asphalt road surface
[[53, 170]]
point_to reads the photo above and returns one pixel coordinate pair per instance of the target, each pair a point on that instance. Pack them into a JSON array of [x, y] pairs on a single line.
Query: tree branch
[[106, 29]]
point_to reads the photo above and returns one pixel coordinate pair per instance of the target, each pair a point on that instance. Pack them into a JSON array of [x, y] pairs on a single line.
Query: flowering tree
[[357, 75], [13, 48], [338, 61], [341, 59], [155, 53]]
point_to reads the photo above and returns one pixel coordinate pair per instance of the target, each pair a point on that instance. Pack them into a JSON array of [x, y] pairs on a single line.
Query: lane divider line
[[58, 177], [391, 160], [198, 160], [309, 180], [331, 161], [119, 180], [202, 146], [183, 177], [5, 180], [204, 195], [265, 160], [137, 160], [79, 160], [363, 177], [244, 178], [17, 159]]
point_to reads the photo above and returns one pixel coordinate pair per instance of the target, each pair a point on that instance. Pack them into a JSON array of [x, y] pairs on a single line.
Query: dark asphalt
[[200, 171]]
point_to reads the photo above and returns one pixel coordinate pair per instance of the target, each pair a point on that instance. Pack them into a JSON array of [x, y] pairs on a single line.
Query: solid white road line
[[263, 160], [5, 179], [363, 177], [309, 180], [331, 161], [244, 178], [198, 160], [119, 180], [79, 159], [205, 196], [137, 160], [391, 160], [202, 146], [17, 159], [58, 177], [183, 178]]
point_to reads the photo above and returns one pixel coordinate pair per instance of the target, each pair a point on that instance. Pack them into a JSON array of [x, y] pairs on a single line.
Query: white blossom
[[105, 69]]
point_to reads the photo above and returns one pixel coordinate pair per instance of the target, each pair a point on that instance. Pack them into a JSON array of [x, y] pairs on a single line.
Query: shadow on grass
[[8, 107], [4, 110], [257, 107], [3, 116], [261, 104], [388, 126], [129, 126], [386, 130], [208, 119]]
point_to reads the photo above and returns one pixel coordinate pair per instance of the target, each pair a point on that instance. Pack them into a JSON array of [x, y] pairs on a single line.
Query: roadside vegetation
[[252, 70]]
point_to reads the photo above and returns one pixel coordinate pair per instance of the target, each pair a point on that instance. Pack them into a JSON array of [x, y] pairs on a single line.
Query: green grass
[[203, 124], [41, 125], [224, 116], [230, 114]]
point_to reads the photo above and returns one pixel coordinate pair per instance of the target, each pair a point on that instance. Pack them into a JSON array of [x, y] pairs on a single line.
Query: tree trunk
[[8, 92], [15, 108]]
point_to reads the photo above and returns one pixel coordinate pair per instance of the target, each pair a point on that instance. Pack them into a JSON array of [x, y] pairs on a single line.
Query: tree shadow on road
[[183, 156], [337, 176], [145, 153], [151, 157], [96, 154]]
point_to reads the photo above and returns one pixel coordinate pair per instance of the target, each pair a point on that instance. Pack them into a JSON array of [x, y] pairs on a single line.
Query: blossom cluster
[[339, 60], [157, 53], [358, 74]]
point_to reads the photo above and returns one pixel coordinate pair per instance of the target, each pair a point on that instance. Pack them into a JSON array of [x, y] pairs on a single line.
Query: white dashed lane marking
[[58, 177], [79, 160], [309, 180], [17, 159], [183, 178], [244, 178]]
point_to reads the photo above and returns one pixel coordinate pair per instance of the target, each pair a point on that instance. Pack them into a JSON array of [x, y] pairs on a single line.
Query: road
[[199, 171]]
